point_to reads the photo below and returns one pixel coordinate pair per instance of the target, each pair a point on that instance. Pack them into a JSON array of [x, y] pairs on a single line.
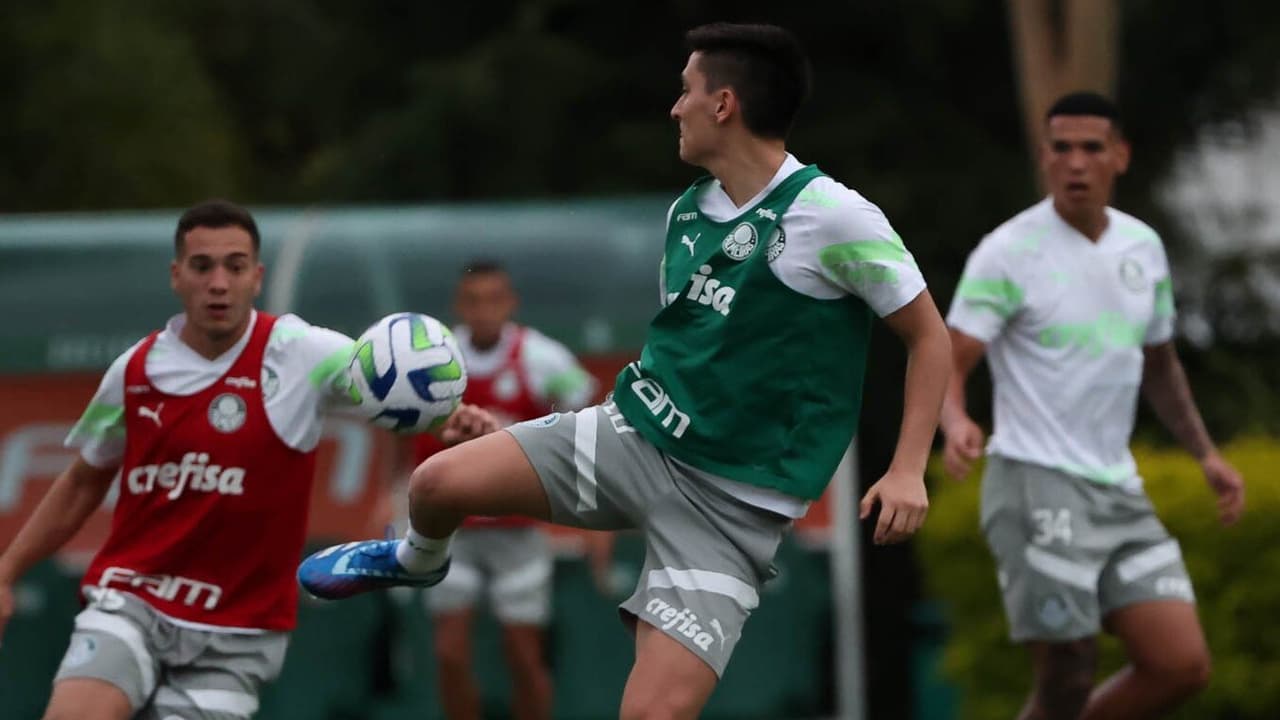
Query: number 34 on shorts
[[1051, 524]]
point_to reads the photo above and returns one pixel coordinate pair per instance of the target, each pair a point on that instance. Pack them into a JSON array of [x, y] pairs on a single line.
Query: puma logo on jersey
[[193, 473], [706, 290], [684, 240], [244, 383], [153, 415]]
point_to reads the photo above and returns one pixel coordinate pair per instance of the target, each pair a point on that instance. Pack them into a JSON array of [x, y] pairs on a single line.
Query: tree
[[107, 106], [1061, 46]]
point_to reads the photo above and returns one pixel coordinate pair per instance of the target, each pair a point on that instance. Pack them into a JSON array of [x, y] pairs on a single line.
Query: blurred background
[[383, 144]]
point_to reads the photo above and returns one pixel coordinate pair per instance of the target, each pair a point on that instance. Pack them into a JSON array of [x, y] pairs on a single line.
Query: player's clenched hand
[[467, 423], [1227, 483], [903, 506], [964, 440]]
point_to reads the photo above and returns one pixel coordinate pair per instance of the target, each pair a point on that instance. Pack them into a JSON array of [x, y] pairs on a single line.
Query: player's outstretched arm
[[901, 492], [1165, 386], [74, 495], [963, 437]]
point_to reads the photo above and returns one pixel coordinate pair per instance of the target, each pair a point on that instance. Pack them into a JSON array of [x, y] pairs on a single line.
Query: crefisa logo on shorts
[[685, 622]]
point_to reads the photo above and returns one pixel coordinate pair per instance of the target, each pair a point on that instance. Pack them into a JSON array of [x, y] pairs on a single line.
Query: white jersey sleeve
[[1163, 320], [99, 434], [988, 295], [302, 371], [839, 243], [554, 374]]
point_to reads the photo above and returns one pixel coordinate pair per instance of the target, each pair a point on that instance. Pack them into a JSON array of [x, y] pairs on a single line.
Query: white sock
[[421, 554]]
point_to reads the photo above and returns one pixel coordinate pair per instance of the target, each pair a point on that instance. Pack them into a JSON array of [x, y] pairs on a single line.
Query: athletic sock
[[421, 554]]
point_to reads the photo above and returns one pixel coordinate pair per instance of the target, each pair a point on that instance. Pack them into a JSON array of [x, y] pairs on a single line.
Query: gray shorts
[[1069, 551], [706, 554], [166, 670], [514, 563]]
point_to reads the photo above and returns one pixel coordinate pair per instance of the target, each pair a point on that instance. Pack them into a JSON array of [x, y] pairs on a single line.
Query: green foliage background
[[1236, 572]]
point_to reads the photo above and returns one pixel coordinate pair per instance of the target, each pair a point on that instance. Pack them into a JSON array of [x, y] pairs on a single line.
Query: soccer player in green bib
[[742, 403]]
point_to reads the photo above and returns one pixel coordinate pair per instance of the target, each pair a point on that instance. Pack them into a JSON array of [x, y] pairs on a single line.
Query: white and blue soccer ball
[[406, 373]]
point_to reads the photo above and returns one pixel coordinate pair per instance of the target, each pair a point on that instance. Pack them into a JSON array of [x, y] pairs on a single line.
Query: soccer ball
[[407, 373]]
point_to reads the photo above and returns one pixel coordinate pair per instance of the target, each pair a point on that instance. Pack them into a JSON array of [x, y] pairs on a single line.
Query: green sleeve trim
[[1164, 298], [323, 373], [285, 333], [868, 251], [999, 296], [566, 383], [100, 421], [814, 196]]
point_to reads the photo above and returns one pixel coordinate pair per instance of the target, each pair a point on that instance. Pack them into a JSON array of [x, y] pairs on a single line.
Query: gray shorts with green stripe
[[1069, 551], [706, 553], [168, 670]]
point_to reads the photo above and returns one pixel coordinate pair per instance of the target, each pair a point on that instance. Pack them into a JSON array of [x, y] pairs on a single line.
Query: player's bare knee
[[1183, 675], [430, 482], [1194, 676]]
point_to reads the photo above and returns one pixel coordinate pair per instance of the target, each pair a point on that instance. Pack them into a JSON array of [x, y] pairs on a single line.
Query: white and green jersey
[[1065, 320], [298, 369], [836, 243], [753, 368]]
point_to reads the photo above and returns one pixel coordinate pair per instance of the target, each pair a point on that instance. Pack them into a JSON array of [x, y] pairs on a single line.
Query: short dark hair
[[483, 266], [764, 65], [1086, 103], [215, 214]]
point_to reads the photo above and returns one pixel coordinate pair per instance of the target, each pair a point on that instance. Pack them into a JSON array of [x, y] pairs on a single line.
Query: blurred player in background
[[212, 424], [1071, 301], [743, 401], [516, 373]]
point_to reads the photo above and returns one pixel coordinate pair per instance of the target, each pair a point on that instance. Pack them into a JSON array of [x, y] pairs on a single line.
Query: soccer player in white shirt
[[1071, 302]]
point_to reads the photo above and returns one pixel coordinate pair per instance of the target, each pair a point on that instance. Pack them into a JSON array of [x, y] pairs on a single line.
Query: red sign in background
[[349, 499]]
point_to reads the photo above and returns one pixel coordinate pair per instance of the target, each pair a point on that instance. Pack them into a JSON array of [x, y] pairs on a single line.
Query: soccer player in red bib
[[211, 424], [516, 373]]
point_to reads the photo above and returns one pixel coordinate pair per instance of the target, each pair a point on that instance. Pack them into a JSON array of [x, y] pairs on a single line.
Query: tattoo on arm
[[1165, 386]]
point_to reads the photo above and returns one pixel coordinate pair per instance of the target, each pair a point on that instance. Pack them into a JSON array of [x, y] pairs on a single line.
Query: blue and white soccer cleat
[[341, 571]]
